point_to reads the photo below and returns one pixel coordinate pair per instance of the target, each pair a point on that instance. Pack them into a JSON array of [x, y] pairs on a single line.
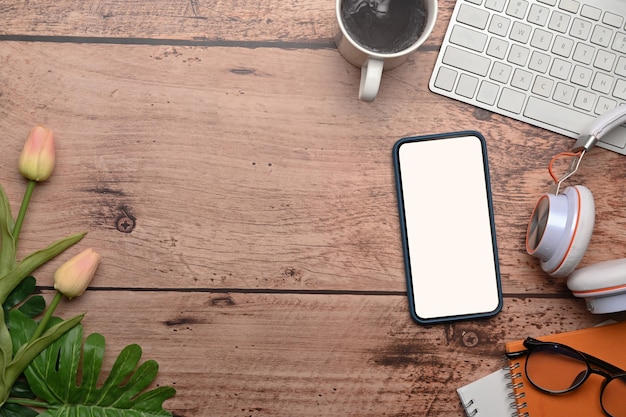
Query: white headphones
[[561, 225]]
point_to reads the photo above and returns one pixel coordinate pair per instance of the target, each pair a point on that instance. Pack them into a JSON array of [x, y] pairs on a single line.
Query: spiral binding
[[516, 386], [468, 412]]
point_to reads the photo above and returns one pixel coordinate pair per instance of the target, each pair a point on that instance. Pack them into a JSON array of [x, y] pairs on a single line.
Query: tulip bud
[[73, 277], [37, 158]]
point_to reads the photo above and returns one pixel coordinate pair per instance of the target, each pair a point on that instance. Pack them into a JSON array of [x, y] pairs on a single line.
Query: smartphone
[[447, 227]]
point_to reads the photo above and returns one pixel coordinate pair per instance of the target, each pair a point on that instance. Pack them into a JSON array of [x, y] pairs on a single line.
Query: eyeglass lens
[[557, 369], [614, 397]]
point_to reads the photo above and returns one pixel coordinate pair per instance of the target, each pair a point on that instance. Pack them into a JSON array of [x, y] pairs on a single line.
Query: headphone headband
[[601, 125], [561, 226]]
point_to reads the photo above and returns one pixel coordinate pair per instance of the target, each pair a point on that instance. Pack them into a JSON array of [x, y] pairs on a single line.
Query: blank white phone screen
[[447, 215]]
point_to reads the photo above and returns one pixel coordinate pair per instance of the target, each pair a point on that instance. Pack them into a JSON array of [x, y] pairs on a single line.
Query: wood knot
[[470, 339]]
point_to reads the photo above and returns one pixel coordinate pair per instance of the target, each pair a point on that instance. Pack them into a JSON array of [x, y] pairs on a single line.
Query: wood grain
[[197, 21], [239, 354], [243, 200]]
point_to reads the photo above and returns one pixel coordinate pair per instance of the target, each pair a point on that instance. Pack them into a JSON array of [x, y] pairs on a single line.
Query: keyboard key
[[564, 93], [446, 78], [590, 12], [620, 89], [569, 5], [559, 22], [602, 83], [497, 48], [619, 44], [557, 115], [520, 32], [584, 53], [499, 25], [563, 46], [560, 69], [620, 68], [497, 5], [487, 93], [584, 100], [467, 61], [511, 100], [473, 16], [601, 36], [538, 14], [582, 76], [501, 72], [467, 86], [580, 29], [539, 62], [604, 60], [517, 8], [541, 39], [604, 104], [543, 86], [613, 19], [521, 79], [468, 38], [518, 55]]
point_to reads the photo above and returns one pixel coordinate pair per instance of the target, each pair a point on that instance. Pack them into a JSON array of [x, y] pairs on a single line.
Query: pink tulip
[[37, 158], [73, 277]]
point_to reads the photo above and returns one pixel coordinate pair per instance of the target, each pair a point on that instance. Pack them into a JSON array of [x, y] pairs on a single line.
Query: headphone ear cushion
[[602, 284], [576, 245]]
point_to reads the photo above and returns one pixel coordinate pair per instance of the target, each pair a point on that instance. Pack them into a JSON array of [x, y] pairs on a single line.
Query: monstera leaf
[[31, 306], [70, 388], [16, 410], [21, 298]]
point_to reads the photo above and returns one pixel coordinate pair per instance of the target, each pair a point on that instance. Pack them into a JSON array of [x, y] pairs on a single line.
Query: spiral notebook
[[508, 393], [489, 396]]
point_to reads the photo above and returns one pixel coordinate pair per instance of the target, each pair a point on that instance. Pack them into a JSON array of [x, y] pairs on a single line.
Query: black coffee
[[384, 26]]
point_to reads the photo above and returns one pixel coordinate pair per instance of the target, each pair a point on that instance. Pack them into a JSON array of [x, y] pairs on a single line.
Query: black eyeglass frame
[[591, 361]]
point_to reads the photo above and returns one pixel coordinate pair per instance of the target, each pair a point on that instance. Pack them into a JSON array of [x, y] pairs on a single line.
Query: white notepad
[[489, 396]]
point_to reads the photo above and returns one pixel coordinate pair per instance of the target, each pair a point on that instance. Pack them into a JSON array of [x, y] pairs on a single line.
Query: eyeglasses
[[557, 369]]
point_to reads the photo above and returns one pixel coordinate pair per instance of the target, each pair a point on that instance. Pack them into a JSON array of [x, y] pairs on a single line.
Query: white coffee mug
[[365, 46]]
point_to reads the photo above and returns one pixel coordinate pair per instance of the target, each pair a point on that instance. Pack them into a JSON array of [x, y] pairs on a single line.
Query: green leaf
[[21, 327], [16, 410], [7, 245], [33, 306], [21, 292], [19, 392], [6, 353], [54, 377], [21, 389], [29, 351]]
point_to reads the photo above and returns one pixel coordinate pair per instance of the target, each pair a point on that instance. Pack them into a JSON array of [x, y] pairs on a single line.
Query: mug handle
[[371, 73]]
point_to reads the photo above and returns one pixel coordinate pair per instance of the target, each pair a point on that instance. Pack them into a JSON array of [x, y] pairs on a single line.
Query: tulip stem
[[47, 315], [20, 217]]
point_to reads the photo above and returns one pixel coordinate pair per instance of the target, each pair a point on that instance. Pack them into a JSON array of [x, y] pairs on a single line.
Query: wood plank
[[199, 21], [238, 180], [311, 355]]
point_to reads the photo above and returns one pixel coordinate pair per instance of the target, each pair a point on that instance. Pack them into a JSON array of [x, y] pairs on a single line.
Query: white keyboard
[[556, 64]]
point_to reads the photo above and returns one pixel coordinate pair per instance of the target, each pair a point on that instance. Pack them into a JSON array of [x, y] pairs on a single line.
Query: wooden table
[[243, 200]]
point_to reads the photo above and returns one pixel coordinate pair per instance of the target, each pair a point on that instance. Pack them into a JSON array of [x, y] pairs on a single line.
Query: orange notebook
[[606, 342]]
